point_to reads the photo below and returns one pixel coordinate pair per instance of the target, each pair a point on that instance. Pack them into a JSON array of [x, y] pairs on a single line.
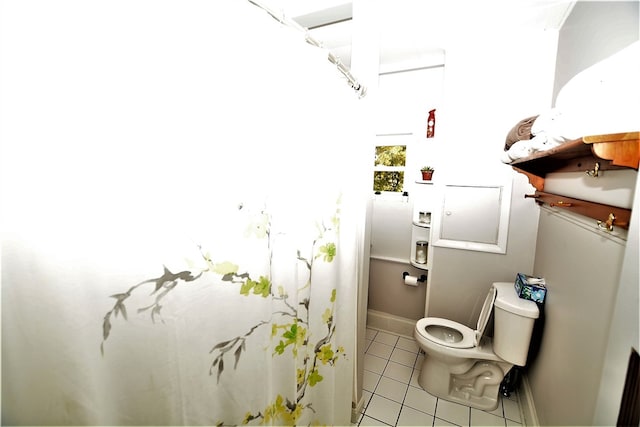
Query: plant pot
[[427, 175]]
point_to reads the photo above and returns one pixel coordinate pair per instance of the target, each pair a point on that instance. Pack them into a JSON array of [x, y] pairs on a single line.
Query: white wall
[[624, 330], [590, 319], [592, 308], [601, 40], [581, 267], [490, 84], [404, 99]]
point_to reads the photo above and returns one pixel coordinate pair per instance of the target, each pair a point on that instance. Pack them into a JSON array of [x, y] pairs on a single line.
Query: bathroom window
[[389, 168]]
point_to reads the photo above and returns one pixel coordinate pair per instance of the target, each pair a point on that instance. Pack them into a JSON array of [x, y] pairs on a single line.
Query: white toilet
[[464, 366]]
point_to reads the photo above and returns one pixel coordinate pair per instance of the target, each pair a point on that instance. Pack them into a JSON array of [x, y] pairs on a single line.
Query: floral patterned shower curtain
[[180, 218]]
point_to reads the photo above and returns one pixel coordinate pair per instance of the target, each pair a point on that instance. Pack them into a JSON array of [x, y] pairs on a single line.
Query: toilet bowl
[[464, 366]]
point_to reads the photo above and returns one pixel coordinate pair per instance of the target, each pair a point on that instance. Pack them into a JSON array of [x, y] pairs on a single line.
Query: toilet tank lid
[[507, 299]]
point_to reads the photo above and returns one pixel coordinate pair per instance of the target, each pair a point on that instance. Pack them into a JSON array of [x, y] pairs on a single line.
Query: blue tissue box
[[530, 287]]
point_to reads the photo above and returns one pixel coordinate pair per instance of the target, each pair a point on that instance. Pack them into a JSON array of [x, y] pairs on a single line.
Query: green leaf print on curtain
[[310, 351]]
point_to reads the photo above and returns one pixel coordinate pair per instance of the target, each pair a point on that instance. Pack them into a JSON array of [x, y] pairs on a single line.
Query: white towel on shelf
[[527, 147]]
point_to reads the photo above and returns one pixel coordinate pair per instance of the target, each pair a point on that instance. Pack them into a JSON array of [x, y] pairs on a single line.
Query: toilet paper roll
[[411, 280]]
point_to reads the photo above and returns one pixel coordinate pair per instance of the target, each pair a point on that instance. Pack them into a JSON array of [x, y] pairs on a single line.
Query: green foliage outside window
[[389, 164], [391, 155], [388, 181]]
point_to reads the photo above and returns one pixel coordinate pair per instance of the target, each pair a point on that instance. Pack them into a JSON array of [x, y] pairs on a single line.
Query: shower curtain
[[181, 204]]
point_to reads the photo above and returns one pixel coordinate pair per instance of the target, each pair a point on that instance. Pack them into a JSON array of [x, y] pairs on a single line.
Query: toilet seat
[[469, 338], [485, 314]]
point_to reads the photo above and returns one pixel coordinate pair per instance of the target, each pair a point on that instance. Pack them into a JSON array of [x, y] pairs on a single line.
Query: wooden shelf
[[623, 149], [607, 152], [613, 151]]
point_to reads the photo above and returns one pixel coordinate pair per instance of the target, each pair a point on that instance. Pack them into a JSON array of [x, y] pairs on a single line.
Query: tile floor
[[393, 396]]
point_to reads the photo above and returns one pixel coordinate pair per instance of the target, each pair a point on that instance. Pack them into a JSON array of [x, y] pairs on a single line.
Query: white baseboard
[[390, 323], [527, 406], [355, 412]]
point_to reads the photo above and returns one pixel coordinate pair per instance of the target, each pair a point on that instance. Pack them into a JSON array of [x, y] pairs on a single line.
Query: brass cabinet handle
[[561, 203]]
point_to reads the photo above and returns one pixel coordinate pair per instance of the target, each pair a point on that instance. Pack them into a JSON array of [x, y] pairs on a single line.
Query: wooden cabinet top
[[589, 154], [611, 151]]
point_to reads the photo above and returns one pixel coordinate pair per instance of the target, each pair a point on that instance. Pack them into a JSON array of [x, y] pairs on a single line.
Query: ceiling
[[412, 27]]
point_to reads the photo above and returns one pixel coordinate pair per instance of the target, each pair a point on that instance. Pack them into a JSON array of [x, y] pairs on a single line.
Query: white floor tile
[[419, 361], [391, 389], [370, 381], [368, 421], [453, 412], [381, 350], [419, 399], [403, 357], [366, 396], [414, 378], [512, 423], [370, 334], [511, 410], [392, 394], [407, 344], [383, 409], [367, 343], [398, 372], [482, 418], [498, 411], [411, 417], [437, 422], [374, 363], [386, 338]]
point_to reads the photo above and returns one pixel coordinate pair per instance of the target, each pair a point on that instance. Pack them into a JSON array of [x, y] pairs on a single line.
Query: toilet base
[[478, 387]]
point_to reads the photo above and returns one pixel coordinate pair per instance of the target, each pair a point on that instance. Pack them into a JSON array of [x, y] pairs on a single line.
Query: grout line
[[407, 389]]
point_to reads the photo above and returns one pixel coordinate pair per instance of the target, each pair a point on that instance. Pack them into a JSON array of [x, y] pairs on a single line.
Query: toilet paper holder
[[421, 279]]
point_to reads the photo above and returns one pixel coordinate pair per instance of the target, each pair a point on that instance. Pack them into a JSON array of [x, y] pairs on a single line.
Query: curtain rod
[[355, 85]]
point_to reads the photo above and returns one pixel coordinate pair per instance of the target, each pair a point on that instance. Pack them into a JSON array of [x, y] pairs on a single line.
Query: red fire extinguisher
[[431, 124]]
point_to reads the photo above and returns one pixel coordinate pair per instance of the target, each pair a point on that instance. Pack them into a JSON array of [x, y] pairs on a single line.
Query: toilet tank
[[513, 324]]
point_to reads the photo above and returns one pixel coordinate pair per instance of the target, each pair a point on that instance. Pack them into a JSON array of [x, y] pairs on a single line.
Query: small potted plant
[[427, 173]]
